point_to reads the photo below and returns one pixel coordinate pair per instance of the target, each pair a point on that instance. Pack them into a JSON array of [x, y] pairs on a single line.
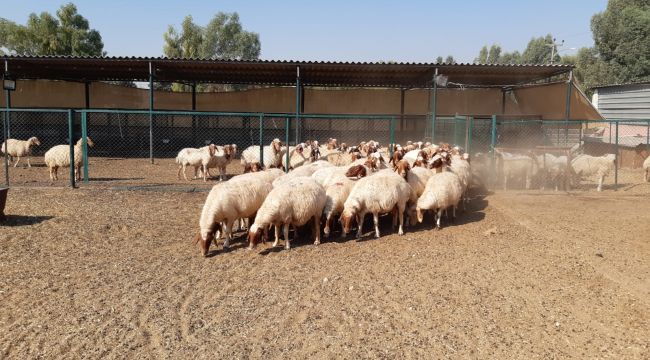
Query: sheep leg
[[287, 244], [29, 164], [17, 161], [600, 183], [316, 229], [375, 220], [360, 217], [400, 231], [277, 235], [528, 182], [180, 167], [505, 183], [328, 223], [184, 173], [51, 174], [222, 173], [438, 217], [228, 233]]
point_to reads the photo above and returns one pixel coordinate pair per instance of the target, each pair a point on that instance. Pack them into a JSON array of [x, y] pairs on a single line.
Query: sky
[[335, 30]]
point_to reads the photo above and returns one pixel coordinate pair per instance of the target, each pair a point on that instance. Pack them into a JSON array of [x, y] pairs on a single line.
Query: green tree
[[494, 54], [223, 38], [450, 59], [538, 51], [510, 58], [439, 60], [68, 33], [482, 57]]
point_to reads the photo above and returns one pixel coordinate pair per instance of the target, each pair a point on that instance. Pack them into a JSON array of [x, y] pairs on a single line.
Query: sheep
[[587, 165], [417, 178], [378, 194], [223, 155], [643, 151], [20, 148], [460, 166], [298, 156], [341, 158], [272, 154], [241, 197], [554, 169], [646, 169], [294, 203], [443, 190], [305, 170], [253, 167], [517, 166], [196, 158], [59, 156], [337, 192]]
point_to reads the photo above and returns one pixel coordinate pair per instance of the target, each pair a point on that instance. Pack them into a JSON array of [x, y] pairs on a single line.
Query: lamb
[[223, 155], [365, 197], [196, 158], [272, 154], [20, 148], [443, 190], [587, 165], [295, 203], [517, 166], [241, 197], [59, 156]]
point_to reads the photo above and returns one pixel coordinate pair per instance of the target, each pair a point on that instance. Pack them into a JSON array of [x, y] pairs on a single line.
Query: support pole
[[84, 143], [391, 140], [5, 127], [469, 134], [298, 102], [151, 74], [567, 115], [434, 95], [493, 144], [401, 110], [287, 129], [617, 161], [8, 100], [73, 177], [87, 94], [194, 117], [503, 101], [261, 117]]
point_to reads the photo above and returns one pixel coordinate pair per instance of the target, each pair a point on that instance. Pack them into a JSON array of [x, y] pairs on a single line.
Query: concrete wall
[[544, 101]]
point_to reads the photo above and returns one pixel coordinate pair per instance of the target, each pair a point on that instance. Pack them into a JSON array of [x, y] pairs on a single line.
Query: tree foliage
[[68, 33], [537, 51], [448, 60]]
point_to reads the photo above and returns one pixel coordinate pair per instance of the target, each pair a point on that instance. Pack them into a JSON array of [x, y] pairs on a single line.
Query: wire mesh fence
[[139, 147]]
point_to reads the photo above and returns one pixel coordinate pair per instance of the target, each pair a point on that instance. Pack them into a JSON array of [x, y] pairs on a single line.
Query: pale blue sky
[[340, 30]]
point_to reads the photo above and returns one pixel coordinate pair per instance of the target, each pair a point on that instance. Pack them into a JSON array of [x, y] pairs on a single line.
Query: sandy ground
[[93, 273]]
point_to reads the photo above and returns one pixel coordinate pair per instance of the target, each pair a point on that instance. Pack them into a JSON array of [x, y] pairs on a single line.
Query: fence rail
[[131, 148]]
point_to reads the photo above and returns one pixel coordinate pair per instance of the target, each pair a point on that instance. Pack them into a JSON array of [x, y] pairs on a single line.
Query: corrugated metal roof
[[274, 72], [621, 84]]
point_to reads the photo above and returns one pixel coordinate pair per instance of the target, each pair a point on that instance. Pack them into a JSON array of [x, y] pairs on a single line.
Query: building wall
[[542, 102], [624, 102]]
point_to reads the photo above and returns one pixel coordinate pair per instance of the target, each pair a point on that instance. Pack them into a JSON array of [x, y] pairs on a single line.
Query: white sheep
[[443, 190], [59, 156], [555, 169], [299, 155], [223, 155], [272, 154], [305, 170], [337, 192], [20, 148], [517, 166], [196, 158], [646, 169], [229, 201], [295, 203], [384, 192], [461, 167], [587, 165]]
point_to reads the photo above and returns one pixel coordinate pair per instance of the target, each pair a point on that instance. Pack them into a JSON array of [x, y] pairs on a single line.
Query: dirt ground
[[121, 173], [92, 273]]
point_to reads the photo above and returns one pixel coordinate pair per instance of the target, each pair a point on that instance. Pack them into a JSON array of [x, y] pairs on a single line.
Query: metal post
[[5, 135], [434, 94], [470, 129], [87, 94], [71, 143], [194, 109], [567, 114], [287, 130], [84, 142], [151, 73], [261, 139], [8, 100], [392, 136], [617, 161], [493, 144], [297, 106]]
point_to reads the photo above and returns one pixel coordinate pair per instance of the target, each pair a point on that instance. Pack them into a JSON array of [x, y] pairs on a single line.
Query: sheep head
[[256, 233], [402, 168], [212, 149], [332, 144], [204, 243], [343, 147], [276, 145], [420, 214], [357, 172], [34, 141], [347, 220]]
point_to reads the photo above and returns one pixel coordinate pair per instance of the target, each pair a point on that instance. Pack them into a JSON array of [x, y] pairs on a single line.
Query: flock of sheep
[[56, 157]]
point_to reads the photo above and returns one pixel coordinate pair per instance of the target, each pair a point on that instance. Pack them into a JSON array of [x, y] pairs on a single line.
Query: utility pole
[[554, 46]]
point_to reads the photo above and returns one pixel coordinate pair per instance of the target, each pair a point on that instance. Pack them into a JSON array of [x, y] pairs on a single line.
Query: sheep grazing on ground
[[272, 154], [379, 194], [337, 191], [20, 148], [442, 191], [253, 167], [517, 166], [587, 165], [195, 158], [223, 155], [295, 203], [229, 201], [460, 166], [59, 156], [417, 178]]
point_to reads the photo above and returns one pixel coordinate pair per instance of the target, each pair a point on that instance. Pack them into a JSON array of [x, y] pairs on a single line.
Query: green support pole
[[194, 117], [392, 135], [287, 130], [151, 70], [616, 164], [469, 134], [262, 139], [71, 141], [493, 144], [84, 142], [8, 100], [567, 114], [297, 106], [5, 135], [434, 94]]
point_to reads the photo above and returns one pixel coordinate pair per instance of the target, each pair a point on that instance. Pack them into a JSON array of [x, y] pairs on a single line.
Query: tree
[[482, 56], [510, 58], [538, 51], [450, 59], [494, 54], [622, 37], [439, 60], [68, 33]]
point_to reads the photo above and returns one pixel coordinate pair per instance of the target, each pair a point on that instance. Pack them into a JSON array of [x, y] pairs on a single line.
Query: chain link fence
[[134, 147]]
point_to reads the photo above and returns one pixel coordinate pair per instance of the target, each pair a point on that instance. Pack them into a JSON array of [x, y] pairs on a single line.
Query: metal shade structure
[[275, 73]]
